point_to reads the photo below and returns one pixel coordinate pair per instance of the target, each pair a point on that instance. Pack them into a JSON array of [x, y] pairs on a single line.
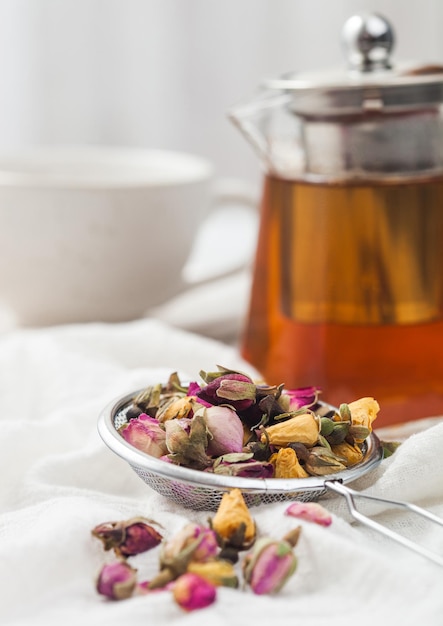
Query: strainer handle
[[350, 494]]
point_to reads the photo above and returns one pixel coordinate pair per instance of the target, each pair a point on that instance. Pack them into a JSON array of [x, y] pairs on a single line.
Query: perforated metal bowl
[[199, 490]]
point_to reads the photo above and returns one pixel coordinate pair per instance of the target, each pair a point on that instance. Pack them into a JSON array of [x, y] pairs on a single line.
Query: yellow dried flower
[[298, 429], [363, 413], [287, 465], [218, 572], [352, 454], [233, 521], [175, 409]]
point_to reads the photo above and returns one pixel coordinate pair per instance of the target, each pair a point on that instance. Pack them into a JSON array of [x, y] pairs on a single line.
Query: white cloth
[[59, 480]]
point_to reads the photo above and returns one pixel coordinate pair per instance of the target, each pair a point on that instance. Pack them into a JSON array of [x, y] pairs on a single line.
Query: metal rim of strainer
[[115, 410]]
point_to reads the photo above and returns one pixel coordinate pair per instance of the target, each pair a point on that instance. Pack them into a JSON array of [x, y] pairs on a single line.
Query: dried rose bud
[[146, 434], [321, 461], [269, 565], [218, 572], [117, 580], [225, 430], [176, 408], [233, 522], [237, 390], [192, 543], [363, 412], [193, 592], [351, 453], [187, 441], [310, 511], [287, 464], [207, 546], [295, 399], [128, 538], [303, 428], [201, 538]]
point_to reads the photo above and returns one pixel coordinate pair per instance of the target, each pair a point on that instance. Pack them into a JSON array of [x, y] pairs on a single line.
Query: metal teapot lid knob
[[368, 40]]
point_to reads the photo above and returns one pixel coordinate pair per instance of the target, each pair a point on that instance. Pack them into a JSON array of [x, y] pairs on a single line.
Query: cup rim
[[92, 166]]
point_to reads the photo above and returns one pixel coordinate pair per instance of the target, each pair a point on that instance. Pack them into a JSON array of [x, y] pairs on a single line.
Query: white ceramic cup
[[97, 233]]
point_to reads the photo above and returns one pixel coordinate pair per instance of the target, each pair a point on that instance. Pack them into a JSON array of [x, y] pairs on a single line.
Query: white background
[[162, 73]]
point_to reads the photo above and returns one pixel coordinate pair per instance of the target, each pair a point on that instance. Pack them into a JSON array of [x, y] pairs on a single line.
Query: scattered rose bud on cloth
[[116, 581], [128, 538], [199, 558], [193, 592]]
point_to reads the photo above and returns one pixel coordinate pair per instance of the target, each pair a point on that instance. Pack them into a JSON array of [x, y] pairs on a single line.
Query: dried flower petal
[[146, 434], [389, 447], [233, 522], [116, 581], [193, 592], [247, 469], [269, 565], [294, 399], [311, 512], [128, 538]]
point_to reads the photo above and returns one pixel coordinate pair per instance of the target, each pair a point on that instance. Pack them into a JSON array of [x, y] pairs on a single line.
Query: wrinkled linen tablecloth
[[59, 480]]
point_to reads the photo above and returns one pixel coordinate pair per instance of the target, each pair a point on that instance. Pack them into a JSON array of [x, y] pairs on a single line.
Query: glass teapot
[[347, 291]]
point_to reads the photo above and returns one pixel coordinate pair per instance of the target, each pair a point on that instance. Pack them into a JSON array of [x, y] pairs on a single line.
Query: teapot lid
[[371, 82]]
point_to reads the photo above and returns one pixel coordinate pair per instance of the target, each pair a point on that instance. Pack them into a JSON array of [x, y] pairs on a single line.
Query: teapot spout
[[273, 131]]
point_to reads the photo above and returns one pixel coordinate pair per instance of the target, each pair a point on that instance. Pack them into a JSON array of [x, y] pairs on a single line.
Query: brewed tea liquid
[[347, 293]]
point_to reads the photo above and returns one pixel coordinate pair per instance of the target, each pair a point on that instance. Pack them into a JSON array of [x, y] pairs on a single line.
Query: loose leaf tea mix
[[228, 424], [198, 559]]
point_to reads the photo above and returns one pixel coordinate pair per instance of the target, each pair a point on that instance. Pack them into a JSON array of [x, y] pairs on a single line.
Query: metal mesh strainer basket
[[202, 490]]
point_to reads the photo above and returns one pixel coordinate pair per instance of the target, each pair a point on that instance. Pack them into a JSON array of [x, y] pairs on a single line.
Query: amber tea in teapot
[[305, 329], [347, 291]]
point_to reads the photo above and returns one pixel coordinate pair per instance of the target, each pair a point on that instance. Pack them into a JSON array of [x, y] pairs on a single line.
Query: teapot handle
[[225, 243]]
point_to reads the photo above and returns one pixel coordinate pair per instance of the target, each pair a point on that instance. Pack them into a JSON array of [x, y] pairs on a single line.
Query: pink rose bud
[[187, 440], [198, 542], [208, 546], [269, 565], [225, 431], [129, 537], [237, 390], [193, 592], [192, 544], [116, 581], [146, 434], [310, 511]]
